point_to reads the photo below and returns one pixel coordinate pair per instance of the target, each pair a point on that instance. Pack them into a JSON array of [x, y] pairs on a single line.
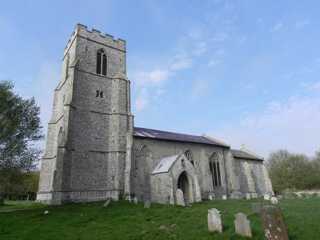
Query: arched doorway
[[184, 185]]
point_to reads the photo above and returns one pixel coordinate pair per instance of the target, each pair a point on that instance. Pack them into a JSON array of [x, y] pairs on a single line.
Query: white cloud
[[153, 77], [213, 62], [142, 100], [314, 86], [277, 27], [180, 63], [293, 125]]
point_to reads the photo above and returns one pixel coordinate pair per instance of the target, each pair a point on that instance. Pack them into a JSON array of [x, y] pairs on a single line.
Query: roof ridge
[[169, 131]]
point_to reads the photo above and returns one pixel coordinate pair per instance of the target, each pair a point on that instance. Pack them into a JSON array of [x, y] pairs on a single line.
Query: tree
[[293, 171], [19, 129]]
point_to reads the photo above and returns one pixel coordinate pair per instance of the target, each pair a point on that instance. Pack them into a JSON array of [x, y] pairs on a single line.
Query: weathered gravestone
[[274, 200], [242, 225], [106, 204], [266, 197], [147, 204], [256, 207], [224, 197], [135, 200], [180, 198], [214, 220], [273, 224], [211, 196], [254, 195]]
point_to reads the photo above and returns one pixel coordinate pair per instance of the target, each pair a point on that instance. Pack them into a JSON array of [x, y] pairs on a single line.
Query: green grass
[[121, 220], [19, 205]]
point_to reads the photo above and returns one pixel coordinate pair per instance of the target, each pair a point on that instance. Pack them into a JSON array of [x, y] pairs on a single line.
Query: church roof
[[165, 164], [245, 155], [179, 137]]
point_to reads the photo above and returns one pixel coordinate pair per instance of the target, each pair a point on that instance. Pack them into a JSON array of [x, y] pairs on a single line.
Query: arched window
[[101, 63], [189, 156], [214, 166]]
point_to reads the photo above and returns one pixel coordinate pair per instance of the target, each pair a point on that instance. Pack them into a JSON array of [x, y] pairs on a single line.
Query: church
[[94, 152]]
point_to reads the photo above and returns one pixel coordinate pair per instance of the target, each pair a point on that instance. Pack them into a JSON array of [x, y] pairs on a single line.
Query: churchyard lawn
[[122, 220]]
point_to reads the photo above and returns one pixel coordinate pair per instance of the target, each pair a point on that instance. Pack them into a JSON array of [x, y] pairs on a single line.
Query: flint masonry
[[94, 152]]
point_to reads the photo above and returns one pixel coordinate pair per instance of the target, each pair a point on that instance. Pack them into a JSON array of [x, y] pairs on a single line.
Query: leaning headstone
[[106, 204], [147, 204], [273, 223], [274, 200], [135, 200], [214, 220], [256, 207], [180, 198], [242, 225], [248, 196], [266, 197]]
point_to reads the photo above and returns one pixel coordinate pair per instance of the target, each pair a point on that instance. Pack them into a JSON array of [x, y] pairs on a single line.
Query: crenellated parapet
[[97, 36]]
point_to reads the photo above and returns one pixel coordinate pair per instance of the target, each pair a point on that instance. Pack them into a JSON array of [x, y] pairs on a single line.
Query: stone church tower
[[88, 149]]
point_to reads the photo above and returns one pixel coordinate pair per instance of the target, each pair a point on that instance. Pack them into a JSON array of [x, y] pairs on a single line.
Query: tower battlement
[[97, 36]]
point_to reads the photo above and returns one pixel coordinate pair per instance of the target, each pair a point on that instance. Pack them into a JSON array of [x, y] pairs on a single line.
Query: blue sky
[[246, 72]]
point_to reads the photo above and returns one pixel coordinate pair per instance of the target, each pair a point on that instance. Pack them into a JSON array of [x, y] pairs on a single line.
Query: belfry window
[[214, 166], [101, 63]]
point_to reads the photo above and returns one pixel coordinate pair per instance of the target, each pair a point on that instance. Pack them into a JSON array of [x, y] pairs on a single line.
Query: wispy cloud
[[277, 27], [292, 124]]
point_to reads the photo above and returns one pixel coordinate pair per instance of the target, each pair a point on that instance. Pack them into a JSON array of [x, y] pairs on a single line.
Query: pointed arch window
[[214, 166], [189, 156], [101, 63]]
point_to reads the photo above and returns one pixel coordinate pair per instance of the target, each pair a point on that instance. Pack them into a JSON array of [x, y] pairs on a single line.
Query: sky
[[243, 71]]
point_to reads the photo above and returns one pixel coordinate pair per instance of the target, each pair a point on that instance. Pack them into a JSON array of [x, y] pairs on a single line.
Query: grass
[[122, 220]]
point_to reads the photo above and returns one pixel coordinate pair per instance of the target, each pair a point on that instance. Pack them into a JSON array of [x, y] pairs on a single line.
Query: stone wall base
[[57, 198]]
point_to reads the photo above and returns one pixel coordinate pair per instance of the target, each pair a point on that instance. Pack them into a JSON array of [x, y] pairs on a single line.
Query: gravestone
[[256, 207], [106, 204], [135, 200], [180, 198], [224, 197], [236, 195], [274, 200], [214, 220], [266, 197], [147, 204], [254, 195], [273, 223], [242, 225], [248, 196], [211, 196]]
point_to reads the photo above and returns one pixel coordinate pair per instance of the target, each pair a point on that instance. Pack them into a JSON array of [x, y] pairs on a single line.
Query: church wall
[[252, 177], [201, 154]]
